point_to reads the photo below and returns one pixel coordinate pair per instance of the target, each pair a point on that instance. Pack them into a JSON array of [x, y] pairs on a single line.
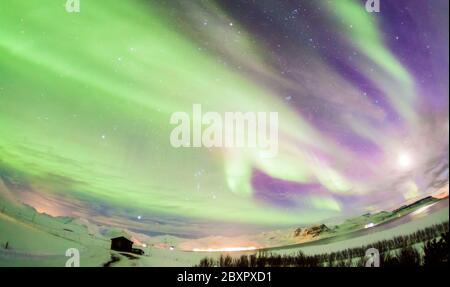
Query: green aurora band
[[86, 98]]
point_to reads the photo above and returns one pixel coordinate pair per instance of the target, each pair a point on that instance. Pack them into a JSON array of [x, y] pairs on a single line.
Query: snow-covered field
[[42, 240], [30, 245], [439, 216]]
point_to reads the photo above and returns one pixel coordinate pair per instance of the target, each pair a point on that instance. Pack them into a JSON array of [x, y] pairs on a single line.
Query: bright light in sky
[[404, 160]]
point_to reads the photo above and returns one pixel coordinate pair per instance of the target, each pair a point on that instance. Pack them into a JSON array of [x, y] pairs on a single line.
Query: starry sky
[[86, 99]]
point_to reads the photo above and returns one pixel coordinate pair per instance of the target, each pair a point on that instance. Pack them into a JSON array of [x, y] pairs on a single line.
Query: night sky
[[86, 99]]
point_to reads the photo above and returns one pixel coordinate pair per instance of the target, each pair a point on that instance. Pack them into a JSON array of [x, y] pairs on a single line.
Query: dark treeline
[[398, 251]]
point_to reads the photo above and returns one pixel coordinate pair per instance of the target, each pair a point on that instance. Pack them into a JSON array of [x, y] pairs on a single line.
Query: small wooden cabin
[[121, 243]]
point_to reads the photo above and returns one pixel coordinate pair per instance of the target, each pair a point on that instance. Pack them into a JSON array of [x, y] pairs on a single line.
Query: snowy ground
[[42, 240], [30, 245], [439, 216]]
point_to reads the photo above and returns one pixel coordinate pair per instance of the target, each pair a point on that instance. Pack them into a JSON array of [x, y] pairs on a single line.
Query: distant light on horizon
[[224, 249], [369, 225], [423, 209]]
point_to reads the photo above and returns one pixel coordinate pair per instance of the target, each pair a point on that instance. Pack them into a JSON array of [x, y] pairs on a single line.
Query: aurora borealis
[[86, 99]]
